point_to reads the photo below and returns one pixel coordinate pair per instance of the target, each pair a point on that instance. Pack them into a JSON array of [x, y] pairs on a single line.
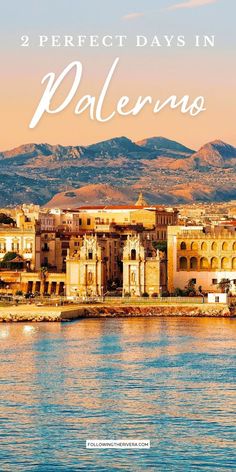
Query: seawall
[[32, 313]]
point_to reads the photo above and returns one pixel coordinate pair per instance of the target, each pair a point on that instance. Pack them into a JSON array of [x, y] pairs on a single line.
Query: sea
[[171, 381]]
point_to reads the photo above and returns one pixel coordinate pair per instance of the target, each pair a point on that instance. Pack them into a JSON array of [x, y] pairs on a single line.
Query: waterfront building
[[58, 240], [141, 268], [21, 238], [86, 269], [205, 254]]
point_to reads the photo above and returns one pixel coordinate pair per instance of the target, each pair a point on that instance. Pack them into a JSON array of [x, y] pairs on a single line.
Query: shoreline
[[33, 313]]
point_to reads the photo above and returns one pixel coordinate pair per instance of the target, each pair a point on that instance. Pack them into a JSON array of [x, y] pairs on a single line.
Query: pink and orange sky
[[159, 72]]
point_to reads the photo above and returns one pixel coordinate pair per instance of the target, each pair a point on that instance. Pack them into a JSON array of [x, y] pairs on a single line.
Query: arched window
[[183, 246], [133, 254], [90, 254], [225, 246], [203, 263], [204, 246], [225, 263], [193, 263], [214, 246], [183, 263], [214, 263], [194, 246], [234, 263], [234, 246]]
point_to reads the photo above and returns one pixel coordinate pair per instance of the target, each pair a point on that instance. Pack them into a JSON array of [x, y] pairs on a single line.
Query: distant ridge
[[166, 171]]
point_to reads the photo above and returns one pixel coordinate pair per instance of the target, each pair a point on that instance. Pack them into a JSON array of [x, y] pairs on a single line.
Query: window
[[2, 246], [225, 263], [183, 263], [133, 254], [90, 255], [203, 263], [65, 245], [225, 246], [214, 281], [217, 299], [88, 221], [193, 263], [183, 246], [204, 246], [80, 221], [214, 263], [194, 246]]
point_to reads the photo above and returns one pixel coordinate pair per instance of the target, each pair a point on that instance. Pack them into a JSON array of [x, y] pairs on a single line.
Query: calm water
[[168, 380]]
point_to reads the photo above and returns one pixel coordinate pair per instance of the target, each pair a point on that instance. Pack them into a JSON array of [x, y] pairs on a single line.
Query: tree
[[6, 220], [178, 292], [224, 285], [190, 288], [7, 261], [160, 245], [43, 276]]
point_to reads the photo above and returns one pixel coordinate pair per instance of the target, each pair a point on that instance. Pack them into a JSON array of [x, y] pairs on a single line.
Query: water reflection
[[168, 380]]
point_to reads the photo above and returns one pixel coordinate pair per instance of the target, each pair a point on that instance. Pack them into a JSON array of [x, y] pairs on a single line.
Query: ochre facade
[[206, 255], [141, 274]]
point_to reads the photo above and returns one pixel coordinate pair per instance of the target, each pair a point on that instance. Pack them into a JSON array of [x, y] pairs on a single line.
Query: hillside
[[167, 171]]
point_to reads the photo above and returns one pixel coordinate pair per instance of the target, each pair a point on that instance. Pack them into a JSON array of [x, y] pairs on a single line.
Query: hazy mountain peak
[[162, 168], [159, 142]]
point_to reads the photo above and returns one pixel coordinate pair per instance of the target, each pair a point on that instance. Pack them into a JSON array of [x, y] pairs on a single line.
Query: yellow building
[[32, 282], [150, 217], [101, 262], [86, 269], [141, 274], [22, 239], [206, 255]]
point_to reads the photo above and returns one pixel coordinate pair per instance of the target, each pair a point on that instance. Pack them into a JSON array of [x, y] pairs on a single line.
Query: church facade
[[141, 274], [134, 264]]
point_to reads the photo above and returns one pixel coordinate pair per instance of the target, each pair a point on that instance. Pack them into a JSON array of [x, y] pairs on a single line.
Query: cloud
[[191, 4], [132, 16]]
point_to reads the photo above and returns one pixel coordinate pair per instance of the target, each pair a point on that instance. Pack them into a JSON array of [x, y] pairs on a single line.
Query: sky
[[155, 71]]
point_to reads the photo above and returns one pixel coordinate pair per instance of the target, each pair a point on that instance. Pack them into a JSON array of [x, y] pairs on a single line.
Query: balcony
[[45, 249], [104, 227]]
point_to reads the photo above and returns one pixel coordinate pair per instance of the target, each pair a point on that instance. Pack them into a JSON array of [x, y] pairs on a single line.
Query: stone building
[[152, 218], [12, 281], [141, 268], [57, 239], [86, 270], [205, 254], [21, 238]]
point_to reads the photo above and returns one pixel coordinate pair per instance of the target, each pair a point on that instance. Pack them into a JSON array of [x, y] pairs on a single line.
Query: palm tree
[[224, 285], [43, 277]]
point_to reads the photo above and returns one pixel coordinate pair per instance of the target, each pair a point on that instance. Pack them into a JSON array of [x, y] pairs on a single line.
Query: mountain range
[[115, 170]]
